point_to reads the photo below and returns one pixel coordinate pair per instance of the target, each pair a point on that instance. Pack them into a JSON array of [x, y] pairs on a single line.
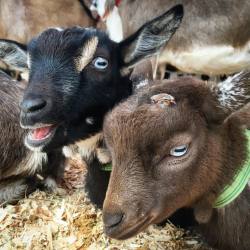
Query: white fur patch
[[113, 20], [210, 60], [28, 60], [25, 76], [103, 155], [142, 84], [87, 148], [68, 151], [30, 165], [58, 29], [99, 6], [234, 91], [114, 25], [88, 51], [90, 120]]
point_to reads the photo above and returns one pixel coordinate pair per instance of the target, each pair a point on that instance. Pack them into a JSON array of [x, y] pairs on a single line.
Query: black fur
[[97, 182], [68, 97], [72, 96]]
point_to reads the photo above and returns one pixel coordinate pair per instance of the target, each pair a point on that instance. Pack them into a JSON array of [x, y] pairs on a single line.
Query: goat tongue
[[41, 133]]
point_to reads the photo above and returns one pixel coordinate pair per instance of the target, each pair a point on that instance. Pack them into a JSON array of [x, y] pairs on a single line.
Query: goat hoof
[[50, 185]]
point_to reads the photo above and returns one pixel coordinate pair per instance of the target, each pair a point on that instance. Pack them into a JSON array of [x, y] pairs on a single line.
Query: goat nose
[[32, 105], [112, 219]]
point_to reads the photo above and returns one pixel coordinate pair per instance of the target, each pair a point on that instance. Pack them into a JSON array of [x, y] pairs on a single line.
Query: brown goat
[[60, 63], [19, 166], [22, 20], [213, 38], [175, 145]]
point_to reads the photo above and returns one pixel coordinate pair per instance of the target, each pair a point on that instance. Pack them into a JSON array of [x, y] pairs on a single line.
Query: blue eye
[[179, 151], [100, 63]]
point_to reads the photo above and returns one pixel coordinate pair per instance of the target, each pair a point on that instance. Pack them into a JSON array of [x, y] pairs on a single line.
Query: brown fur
[[21, 20], [147, 184], [142, 71], [224, 20], [11, 95], [19, 165], [206, 24]]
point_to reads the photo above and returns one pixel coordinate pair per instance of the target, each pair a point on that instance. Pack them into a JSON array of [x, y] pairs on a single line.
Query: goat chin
[[177, 144]]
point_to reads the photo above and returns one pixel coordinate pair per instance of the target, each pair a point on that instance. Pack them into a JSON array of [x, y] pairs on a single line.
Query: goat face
[[75, 78], [73, 82], [168, 145]]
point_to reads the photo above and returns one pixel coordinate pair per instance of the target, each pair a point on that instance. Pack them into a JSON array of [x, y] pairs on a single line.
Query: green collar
[[233, 190], [107, 167], [230, 192]]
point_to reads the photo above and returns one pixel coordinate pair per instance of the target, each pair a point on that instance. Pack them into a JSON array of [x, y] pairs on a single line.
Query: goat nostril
[[32, 105], [112, 220]]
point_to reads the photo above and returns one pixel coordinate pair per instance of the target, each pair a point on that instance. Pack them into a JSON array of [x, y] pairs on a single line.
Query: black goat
[[76, 75]]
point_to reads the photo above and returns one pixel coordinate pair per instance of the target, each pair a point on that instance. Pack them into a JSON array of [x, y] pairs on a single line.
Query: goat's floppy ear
[[13, 54], [151, 37], [241, 116], [228, 97]]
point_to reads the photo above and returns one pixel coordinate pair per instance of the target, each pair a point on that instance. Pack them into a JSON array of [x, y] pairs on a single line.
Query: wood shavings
[[67, 221], [74, 173], [70, 222]]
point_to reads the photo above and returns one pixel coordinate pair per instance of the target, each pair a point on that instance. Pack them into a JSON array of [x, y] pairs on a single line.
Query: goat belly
[[210, 60]]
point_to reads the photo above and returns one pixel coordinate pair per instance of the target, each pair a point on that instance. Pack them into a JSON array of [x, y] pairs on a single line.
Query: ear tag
[[163, 100]]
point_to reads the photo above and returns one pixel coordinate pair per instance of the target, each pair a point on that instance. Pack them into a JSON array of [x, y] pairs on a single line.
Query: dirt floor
[[67, 220]]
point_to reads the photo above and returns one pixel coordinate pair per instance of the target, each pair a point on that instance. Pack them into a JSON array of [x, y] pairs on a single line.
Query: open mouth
[[125, 233], [40, 135]]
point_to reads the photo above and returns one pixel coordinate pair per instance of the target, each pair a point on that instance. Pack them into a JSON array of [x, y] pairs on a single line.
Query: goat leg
[[54, 171], [13, 189]]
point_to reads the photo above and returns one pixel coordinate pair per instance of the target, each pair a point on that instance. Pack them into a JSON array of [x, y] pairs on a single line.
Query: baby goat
[[20, 168], [181, 144], [214, 37], [76, 76]]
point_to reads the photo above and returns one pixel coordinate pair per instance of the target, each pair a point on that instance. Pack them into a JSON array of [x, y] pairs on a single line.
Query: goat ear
[[229, 96], [241, 116], [151, 37], [13, 54]]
